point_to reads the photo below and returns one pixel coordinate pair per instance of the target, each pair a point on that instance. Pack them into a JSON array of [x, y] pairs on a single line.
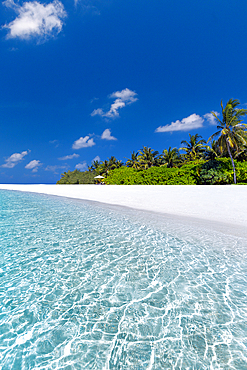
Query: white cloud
[[113, 112], [92, 100], [107, 135], [35, 19], [123, 98], [54, 142], [9, 4], [71, 156], [189, 123], [98, 111], [55, 168], [14, 159], [83, 142], [211, 118], [125, 95], [33, 165], [81, 166], [97, 158]]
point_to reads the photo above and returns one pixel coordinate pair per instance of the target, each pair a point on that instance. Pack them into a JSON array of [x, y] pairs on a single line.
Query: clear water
[[84, 286]]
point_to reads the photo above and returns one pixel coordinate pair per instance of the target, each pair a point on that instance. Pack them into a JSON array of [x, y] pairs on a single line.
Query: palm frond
[[214, 135]]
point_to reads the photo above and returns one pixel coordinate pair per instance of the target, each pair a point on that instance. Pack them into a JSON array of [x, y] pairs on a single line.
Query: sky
[[90, 79]]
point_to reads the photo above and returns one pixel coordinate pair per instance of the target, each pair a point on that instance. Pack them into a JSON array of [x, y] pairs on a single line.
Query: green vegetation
[[77, 177], [200, 172], [152, 176], [194, 149], [232, 132], [222, 162]]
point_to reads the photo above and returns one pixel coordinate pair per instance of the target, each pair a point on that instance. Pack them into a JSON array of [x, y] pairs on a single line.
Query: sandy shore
[[222, 204]]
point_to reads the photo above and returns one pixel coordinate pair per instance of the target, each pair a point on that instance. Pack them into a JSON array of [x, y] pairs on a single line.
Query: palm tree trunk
[[233, 165]]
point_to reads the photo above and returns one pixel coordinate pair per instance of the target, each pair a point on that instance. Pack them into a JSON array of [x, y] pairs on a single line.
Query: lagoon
[[86, 285]]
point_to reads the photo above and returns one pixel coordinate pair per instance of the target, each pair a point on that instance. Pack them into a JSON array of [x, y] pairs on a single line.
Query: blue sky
[[91, 79]]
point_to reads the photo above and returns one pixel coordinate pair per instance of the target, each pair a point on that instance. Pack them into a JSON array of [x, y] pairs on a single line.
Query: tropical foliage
[[200, 172], [194, 149], [185, 175], [133, 161], [147, 158], [220, 160], [232, 135], [170, 157], [77, 177]]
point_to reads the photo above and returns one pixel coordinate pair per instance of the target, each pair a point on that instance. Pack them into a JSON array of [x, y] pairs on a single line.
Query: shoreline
[[218, 207]]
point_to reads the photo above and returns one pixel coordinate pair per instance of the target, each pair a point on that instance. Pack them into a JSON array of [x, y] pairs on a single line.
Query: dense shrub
[[213, 177], [216, 172], [123, 176], [241, 172], [200, 172], [185, 175], [77, 177], [220, 171]]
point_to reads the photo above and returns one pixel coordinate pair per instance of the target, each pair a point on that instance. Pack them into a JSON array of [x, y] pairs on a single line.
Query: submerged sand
[[226, 204]]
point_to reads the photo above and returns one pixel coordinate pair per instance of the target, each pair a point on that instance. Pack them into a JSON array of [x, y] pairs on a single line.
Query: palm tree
[[194, 148], [103, 168], [114, 163], [231, 131], [108, 165], [94, 167], [148, 157], [242, 155], [170, 157], [133, 161], [213, 151]]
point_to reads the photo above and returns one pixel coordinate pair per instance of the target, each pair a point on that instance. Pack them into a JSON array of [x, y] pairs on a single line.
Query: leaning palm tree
[[194, 148], [232, 134], [170, 157]]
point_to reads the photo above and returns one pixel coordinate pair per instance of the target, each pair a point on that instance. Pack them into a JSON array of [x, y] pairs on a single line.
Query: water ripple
[[90, 287]]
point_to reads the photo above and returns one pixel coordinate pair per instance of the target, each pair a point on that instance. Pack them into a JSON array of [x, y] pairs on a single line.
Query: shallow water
[[84, 286]]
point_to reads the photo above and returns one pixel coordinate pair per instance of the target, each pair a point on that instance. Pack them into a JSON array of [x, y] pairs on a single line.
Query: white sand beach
[[224, 204]]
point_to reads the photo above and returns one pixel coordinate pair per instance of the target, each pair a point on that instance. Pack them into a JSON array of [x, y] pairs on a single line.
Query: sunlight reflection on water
[[85, 286]]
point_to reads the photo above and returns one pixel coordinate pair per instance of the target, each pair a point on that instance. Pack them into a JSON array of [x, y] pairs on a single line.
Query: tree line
[[229, 141]]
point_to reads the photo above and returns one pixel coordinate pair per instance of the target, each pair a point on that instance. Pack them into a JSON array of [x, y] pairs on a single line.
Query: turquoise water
[[84, 286]]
